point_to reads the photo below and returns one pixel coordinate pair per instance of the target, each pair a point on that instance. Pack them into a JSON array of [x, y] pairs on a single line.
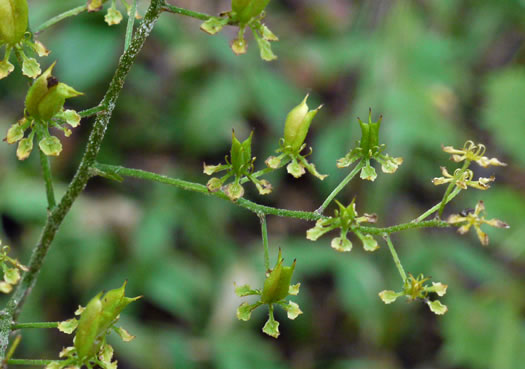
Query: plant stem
[[48, 179], [9, 314], [264, 232], [257, 174], [341, 185], [189, 13], [436, 223], [91, 111], [437, 206], [449, 189], [131, 22], [197, 187], [34, 362], [41, 325], [395, 257], [62, 16]]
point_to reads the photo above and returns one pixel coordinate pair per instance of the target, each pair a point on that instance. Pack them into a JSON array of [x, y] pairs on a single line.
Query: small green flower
[[369, 148], [276, 289], [472, 152], [113, 16], [347, 220], [475, 219], [240, 167], [463, 179], [414, 289]]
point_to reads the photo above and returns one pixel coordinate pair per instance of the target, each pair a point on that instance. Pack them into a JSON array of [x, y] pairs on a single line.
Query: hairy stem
[[46, 173], [437, 206], [264, 232], [395, 257], [339, 187], [35, 325], [79, 181]]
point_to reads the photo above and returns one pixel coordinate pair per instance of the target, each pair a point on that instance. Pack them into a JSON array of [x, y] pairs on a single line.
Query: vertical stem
[[48, 179], [131, 21], [341, 185], [264, 232], [10, 313], [395, 257], [449, 189]]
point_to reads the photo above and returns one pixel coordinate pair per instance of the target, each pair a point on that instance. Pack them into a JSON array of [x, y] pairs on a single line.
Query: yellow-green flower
[[475, 219], [463, 179], [472, 152]]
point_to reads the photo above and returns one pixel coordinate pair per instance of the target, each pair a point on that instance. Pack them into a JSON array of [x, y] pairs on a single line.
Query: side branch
[[77, 185]]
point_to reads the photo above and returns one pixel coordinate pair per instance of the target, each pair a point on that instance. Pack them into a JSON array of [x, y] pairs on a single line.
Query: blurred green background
[[440, 72]]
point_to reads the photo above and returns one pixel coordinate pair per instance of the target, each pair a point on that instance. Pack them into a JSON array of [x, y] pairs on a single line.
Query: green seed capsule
[[297, 124], [245, 10], [87, 342], [47, 96], [13, 24], [277, 285], [240, 154]]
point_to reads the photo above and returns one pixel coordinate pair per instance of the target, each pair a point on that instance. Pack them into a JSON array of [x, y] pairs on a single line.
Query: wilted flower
[[463, 179], [472, 152], [475, 219]]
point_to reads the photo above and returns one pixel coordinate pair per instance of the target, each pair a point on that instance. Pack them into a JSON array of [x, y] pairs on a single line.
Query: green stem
[[189, 13], [395, 257], [449, 189], [436, 223], [48, 179], [197, 187], [131, 22], [79, 181], [257, 174], [91, 111], [264, 232], [62, 16], [40, 325], [437, 206], [341, 185], [34, 362]]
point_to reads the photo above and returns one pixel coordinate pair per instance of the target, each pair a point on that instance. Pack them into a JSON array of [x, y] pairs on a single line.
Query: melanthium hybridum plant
[[45, 108]]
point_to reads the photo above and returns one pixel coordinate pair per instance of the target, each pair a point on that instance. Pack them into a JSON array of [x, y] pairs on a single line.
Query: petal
[[389, 296], [483, 237], [437, 307], [341, 244], [496, 223]]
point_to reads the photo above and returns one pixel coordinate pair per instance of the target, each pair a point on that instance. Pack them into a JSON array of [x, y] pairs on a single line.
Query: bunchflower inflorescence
[[474, 218], [472, 152], [276, 289], [96, 321], [347, 219], [296, 129], [369, 148], [44, 108], [11, 269], [15, 36], [239, 165], [415, 288], [245, 13]]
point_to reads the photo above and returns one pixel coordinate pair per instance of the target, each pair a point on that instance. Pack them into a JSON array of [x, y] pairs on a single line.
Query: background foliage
[[440, 71]]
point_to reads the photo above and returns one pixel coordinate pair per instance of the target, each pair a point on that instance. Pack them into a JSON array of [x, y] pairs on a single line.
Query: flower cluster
[[463, 179], [347, 219], [296, 128], [113, 15], [369, 148], [475, 219], [240, 165], [275, 291], [415, 288], [96, 321], [44, 107], [15, 37], [11, 269], [245, 13], [472, 152]]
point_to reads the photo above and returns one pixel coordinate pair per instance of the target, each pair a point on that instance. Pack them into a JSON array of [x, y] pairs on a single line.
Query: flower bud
[[16, 132], [94, 5], [86, 342], [6, 68], [50, 146], [13, 14], [47, 96], [25, 146], [113, 16], [297, 124]]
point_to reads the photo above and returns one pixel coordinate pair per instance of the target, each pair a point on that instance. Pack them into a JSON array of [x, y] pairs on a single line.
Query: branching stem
[[395, 257], [437, 206], [339, 187], [449, 189], [189, 13], [264, 232], [40, 325], [60, 17]]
